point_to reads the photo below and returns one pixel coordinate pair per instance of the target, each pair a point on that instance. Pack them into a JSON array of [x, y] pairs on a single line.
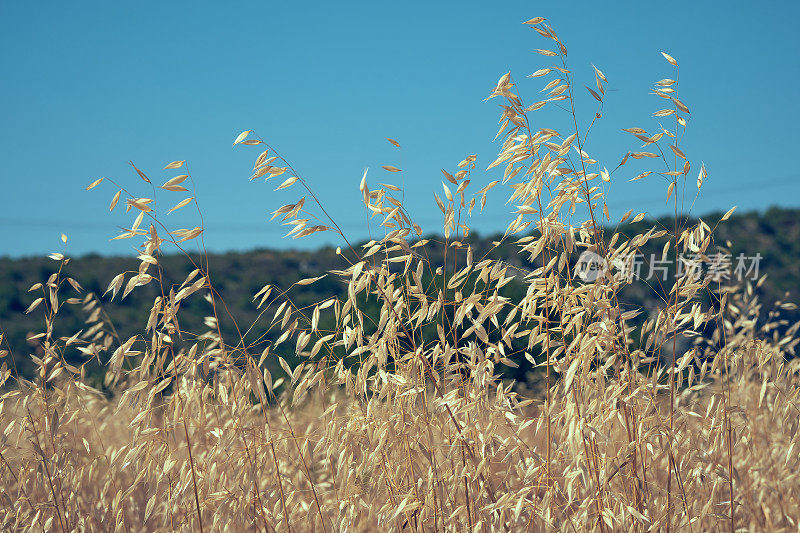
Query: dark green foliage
[[774, 234]]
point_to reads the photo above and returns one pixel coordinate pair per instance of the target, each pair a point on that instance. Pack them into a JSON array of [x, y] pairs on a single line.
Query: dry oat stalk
[[397, 416]]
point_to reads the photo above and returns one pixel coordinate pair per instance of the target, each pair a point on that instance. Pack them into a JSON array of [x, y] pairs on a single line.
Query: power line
[[73, 225]]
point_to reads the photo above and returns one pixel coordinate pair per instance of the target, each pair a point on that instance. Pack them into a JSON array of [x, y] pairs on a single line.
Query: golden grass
[[630, 431]]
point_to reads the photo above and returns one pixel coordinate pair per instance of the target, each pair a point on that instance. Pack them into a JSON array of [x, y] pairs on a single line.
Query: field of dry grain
[[683, 418]]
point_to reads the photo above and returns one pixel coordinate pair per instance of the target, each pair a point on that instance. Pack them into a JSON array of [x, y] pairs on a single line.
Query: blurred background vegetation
[[238, 276]]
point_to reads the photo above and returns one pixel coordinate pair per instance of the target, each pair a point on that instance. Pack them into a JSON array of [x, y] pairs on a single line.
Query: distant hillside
[[775, 235]]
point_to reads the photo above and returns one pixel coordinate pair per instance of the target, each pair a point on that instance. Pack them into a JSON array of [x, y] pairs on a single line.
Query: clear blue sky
[[85, 87]]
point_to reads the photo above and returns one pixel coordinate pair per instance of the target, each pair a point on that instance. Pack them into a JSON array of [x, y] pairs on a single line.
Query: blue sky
[[86, 87]]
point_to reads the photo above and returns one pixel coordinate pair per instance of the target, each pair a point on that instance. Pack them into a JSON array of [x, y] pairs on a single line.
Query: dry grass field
[[683, 418]]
